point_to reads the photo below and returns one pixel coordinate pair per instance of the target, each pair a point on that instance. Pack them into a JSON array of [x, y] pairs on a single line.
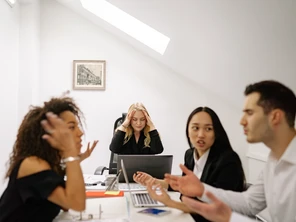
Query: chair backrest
[[247, 185], [113, 156]]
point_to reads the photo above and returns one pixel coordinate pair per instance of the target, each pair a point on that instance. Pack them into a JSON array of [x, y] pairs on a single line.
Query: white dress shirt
[[274, 189], [200, 163]]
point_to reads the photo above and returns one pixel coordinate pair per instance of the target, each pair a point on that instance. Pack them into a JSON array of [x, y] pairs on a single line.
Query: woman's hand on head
[[142, 178], [128, 118], [149, 121], [89, 150], [58, 135]]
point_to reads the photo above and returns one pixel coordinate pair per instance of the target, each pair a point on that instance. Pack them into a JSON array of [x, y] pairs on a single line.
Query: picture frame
[[89, 74]]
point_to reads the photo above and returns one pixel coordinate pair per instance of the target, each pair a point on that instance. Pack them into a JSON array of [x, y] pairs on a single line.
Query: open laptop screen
[[155, 165]]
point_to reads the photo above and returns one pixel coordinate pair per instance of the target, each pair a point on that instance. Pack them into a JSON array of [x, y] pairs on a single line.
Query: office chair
[[247, 185], [113, 156]]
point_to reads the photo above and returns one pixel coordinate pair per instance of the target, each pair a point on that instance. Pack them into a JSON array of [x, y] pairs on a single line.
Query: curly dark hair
[[29, 140]]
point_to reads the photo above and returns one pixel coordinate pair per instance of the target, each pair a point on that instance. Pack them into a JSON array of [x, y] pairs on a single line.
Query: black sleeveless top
[[25, 199]]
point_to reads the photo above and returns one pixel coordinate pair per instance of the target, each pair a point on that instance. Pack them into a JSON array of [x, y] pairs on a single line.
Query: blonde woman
[[137, 134]]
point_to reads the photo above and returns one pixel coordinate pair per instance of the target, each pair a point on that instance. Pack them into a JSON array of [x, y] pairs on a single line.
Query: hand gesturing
[[89, 150], [142, 178], [215, 211], [189, 185]]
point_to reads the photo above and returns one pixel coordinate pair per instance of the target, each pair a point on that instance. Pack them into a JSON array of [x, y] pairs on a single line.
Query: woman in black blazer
[[210, 157], [137, 134]]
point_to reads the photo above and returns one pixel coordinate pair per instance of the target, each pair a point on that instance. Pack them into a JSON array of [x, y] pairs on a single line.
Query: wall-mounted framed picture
[[89, 74]]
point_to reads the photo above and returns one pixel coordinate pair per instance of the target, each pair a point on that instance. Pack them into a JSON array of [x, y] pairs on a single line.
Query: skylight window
[[11, 2], [128, 24]]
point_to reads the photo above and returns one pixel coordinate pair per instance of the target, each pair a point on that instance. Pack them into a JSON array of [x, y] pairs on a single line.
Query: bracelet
[[70, 159], [124, 126]]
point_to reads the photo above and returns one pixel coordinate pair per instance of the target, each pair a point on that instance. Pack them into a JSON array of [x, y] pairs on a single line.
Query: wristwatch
[[70, 159]]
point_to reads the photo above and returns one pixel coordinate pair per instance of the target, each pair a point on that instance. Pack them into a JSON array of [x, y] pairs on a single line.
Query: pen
[[91, 184]]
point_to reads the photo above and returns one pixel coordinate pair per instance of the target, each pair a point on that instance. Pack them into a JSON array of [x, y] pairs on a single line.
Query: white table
[[121, 209]]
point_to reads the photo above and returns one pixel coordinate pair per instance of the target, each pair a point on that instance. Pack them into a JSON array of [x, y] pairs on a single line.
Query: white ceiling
[[221, 45]]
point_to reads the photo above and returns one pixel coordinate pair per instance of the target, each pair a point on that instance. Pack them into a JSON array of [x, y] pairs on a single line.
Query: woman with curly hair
[[137, 134], [46, 149]]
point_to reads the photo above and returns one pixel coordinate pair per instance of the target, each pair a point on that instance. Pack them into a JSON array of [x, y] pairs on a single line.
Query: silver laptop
[[140, 198], [132, 187]]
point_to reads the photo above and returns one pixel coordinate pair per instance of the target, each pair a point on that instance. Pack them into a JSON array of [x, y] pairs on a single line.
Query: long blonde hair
[[130, 130]]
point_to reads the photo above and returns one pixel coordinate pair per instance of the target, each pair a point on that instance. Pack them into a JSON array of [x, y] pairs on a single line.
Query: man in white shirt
[[269, 117]]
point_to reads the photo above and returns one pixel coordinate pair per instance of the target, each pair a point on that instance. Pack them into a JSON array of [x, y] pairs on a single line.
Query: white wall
[[131, 77], [257, 156], [9, 52], [38, 46], [29, 56]]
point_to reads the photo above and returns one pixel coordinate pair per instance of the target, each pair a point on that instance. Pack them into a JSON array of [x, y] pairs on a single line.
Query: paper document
[[90, 178]]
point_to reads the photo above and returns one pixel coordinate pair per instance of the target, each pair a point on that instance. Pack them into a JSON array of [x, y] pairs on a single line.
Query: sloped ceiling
[[221, 45]]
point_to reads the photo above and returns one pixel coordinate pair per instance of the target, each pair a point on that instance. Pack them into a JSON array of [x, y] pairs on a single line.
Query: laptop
[[139, 198], [155, 165]]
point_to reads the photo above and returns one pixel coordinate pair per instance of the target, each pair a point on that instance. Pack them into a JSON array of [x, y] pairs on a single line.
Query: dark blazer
[[222, 170], [133, 147]]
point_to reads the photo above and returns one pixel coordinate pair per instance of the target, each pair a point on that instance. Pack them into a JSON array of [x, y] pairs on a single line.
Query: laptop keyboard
[[144, 198], [133, 186]]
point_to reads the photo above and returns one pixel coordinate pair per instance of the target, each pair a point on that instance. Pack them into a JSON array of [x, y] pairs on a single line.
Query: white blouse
[[200, 163]]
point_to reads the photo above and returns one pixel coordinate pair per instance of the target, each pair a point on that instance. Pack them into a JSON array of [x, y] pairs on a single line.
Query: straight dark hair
[[275, 95]]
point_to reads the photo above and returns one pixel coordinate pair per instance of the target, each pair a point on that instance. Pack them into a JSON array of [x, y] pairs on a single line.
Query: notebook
[[103, 193], [139, 198]]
